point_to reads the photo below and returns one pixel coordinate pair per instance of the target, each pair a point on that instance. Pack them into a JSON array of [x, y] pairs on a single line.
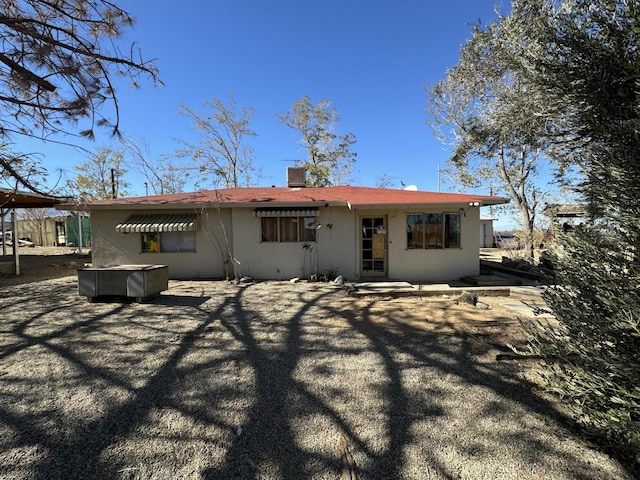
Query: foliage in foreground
[[583, 59], [593, 350], [61, 66]]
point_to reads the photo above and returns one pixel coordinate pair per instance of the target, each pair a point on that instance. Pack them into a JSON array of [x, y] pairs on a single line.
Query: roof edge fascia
[[278, 204]]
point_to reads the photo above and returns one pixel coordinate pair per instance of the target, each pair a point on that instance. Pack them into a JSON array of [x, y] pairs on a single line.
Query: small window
[[288, 229], [451, 230], [433, 230], [269, 229], [169, 242], [151, 242], [308, 233]]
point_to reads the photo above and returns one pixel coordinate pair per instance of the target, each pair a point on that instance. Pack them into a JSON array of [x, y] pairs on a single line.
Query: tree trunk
[[527, 228]]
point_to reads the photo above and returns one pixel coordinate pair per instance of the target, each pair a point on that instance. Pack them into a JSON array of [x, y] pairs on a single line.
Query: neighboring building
[[565, 210], [285, 232], [10, 200], [566, 215], [78, 230], [487, 238], [45, 232], [55, 231]]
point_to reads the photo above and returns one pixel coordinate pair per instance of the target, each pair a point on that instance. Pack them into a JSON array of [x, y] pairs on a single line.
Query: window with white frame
[[433, 230]]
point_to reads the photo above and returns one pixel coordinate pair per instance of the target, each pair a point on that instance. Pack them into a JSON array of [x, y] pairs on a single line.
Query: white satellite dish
[[411, 188]]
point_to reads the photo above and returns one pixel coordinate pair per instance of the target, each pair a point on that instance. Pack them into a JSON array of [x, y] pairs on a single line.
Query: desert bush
[[592, 351]]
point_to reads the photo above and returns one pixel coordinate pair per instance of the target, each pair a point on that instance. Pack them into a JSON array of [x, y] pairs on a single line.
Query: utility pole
[[491, 193], [113, 183]]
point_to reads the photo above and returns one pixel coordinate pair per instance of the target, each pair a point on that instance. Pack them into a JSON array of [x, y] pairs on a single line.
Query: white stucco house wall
[[285, 232]]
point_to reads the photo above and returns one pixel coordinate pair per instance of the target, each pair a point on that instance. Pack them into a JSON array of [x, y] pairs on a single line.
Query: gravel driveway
[[219, 381]]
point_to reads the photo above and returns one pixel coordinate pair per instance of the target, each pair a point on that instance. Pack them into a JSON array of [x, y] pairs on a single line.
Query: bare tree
[[330, 159], [160, 173], [221, 155], [58, 62], [387, 181]]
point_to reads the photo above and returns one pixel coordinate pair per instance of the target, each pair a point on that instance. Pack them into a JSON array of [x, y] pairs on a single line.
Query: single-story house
[[295, 231]]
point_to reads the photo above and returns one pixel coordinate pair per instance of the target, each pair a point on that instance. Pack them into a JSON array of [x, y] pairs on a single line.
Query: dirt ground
[[213, 380], [42, 263]]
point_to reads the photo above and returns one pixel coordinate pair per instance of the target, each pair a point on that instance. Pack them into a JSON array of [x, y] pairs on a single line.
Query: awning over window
[[167, 222], [286, 212]]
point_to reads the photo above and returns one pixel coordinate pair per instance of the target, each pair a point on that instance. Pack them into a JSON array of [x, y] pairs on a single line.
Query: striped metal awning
[[166, 222], [286, 212]]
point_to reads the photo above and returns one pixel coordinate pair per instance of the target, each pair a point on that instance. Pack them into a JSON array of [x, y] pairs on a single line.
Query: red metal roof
[[341, 195]]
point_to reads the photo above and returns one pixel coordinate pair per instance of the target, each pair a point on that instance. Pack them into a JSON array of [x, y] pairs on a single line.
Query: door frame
[[366, 246]]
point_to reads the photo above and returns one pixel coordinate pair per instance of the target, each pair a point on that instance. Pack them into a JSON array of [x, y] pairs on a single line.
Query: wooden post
[[80, 233], [16, 243], [4, 243]]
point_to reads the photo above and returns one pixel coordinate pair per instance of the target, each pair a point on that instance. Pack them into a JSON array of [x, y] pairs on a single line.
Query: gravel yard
[[219, 381]]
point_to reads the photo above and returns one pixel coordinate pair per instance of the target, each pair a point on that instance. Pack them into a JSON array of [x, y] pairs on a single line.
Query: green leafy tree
[[102, 176], [59, 60], [484, 109], [330, 160], [221, 154], [583, 60]]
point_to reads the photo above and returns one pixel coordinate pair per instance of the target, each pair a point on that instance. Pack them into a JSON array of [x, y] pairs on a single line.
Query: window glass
[[415, 231], [150, 242], [269, 229], [289, 229], [433, 230], [172, 242], [169, 242], [452, 230], [187, 241], [308, 233]]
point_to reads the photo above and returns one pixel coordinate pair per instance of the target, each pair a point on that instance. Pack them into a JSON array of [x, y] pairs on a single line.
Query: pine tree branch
[[27, 74]]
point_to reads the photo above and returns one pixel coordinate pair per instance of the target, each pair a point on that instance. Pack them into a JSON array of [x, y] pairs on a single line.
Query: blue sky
[[370, 58]]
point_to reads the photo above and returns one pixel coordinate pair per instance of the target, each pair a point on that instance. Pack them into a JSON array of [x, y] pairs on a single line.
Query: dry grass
[[217, 381]]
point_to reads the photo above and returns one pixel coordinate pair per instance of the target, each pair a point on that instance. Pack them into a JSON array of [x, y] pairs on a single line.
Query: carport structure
[[10, 200]]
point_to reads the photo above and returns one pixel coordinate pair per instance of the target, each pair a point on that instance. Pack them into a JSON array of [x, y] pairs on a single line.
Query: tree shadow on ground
[[258, 383]]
